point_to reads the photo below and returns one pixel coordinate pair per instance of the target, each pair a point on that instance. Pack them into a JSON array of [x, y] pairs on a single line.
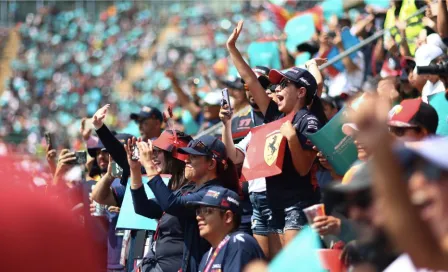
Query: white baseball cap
[[427, 53], [435, 39], [213, 98]]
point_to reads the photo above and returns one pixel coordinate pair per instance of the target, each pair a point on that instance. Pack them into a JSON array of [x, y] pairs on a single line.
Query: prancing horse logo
[[271, 146]]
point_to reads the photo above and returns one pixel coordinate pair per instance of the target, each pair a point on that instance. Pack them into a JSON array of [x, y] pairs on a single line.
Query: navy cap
[[147, 112], [122, 137], [233, 83], [219, 197], [206, 145], [297, 75]]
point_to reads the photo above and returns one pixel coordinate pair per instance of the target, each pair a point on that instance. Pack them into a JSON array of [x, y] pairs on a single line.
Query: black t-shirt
[[243, 122], [288, 188], [169, 244]]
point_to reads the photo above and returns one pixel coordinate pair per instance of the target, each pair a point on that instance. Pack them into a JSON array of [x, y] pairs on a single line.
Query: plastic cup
[[313, 211]]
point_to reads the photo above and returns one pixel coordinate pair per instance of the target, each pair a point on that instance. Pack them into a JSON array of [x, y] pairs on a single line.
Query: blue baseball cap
[[206, 145], [146, 113], [219, 197], [297, 75]]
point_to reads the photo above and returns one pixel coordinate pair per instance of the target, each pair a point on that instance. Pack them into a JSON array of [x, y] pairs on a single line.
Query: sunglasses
[[284, 83], [362, 200], [204, 210], [156, 151], [401, 131]]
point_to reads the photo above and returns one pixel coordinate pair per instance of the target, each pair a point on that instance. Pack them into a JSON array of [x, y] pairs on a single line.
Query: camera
[[434, 69]]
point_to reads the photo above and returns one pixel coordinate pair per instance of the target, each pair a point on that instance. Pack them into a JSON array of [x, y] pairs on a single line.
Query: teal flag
[[440, 104], [301, 254], [337, 147], [299, 30], [127, 218], [264, 54]]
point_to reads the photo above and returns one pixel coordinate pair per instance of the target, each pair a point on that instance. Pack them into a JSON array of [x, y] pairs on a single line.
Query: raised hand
[[317, 61], [235, 34], [51, 159], [65, 162], [146, 150], [225, 114], [85, 131], [98, 117], [134, 165]]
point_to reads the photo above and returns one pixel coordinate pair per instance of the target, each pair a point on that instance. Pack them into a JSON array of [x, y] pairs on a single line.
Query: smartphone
[[226, 98], [49, 139], [81, 158], [117, 171], [135, 156]]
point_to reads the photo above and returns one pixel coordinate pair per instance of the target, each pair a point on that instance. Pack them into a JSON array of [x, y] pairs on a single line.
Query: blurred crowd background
[[62, 60]]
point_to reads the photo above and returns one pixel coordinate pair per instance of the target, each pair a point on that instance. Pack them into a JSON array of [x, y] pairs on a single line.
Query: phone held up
[[226, 99], [49, 140], [135, 155], [81, 158], [117, 171]]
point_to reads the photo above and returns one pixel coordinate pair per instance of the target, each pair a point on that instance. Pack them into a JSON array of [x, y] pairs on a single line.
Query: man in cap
[[425, 55], [236, 90], [219, 216], [149, 121], [413, 120]]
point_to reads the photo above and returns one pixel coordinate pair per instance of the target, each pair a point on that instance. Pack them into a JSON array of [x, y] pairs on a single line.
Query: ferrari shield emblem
[[271, 147]]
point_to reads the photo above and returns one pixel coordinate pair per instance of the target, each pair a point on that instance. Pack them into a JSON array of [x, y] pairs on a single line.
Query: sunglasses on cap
[[205, 210], [401, 131], [199, 146]]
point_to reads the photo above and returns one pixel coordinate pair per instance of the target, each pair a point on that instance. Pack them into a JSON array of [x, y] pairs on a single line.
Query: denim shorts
[[260, 214], [290, 218]]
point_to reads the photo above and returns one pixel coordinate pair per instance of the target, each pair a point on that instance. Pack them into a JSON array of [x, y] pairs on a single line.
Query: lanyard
[[212, 259]]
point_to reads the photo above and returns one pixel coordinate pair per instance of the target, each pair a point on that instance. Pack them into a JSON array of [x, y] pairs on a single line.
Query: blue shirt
[[240, 250]]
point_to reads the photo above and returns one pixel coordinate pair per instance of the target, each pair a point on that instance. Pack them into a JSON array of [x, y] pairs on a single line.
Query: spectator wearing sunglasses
[[207, 165], [413, 120], [218, 216], [293, 190]]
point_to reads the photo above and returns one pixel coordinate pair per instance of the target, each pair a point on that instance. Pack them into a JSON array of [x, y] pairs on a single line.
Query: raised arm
[[234, 154], [442, 19], [404, 47], [184, 100], [349, 65], [112, 144], [102, 192], [246, 73], [313, 67]]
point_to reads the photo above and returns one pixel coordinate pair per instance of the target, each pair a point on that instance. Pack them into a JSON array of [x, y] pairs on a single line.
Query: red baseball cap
[[414, 113], [169, 142]]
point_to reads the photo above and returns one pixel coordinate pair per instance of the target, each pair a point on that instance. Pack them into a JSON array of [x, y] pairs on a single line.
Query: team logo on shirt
[[271, 147], [212, 193]]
